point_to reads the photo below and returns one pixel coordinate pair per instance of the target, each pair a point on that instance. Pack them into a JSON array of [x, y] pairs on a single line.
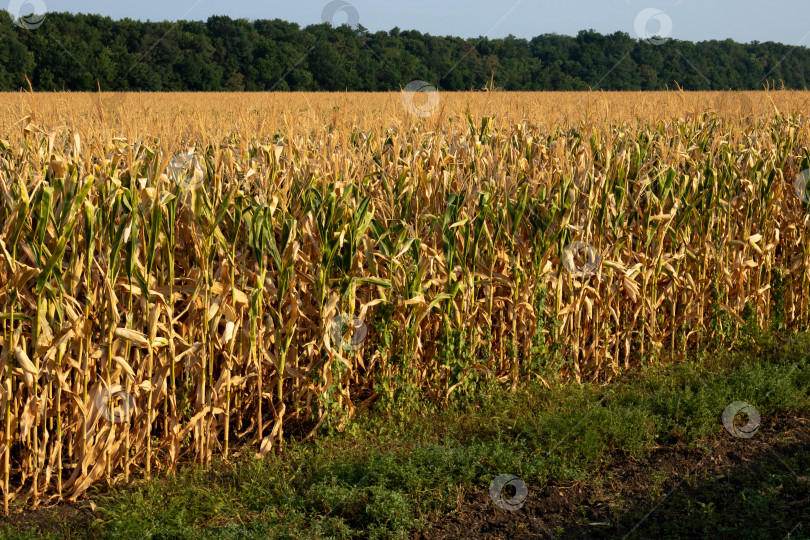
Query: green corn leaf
[[44, 211], [385, 283], [55, 258]]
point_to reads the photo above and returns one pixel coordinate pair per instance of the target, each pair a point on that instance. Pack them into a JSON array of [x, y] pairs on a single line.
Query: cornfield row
[[165, 300]]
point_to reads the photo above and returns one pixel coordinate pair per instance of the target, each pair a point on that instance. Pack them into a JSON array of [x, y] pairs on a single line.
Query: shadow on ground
[[732, 488]]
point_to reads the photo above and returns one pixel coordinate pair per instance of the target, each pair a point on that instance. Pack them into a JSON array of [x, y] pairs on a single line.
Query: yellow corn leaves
[[180, 297]]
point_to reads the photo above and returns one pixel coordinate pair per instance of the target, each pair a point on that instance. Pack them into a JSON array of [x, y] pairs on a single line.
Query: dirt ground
[[647, 497], [61, 519]]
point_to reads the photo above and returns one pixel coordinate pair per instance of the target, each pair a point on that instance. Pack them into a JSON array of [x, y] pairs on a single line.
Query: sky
[[744, 21]]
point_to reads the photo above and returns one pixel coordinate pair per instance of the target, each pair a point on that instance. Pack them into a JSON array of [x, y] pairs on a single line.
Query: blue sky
[[742, 20]]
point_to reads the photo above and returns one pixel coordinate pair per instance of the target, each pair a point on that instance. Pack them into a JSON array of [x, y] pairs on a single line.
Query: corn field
[[184, 277]]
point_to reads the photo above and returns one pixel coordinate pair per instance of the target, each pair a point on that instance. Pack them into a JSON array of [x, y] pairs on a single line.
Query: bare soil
[[648, 497]]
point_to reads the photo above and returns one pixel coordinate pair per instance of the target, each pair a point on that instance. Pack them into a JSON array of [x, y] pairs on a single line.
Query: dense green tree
[[84, 52]]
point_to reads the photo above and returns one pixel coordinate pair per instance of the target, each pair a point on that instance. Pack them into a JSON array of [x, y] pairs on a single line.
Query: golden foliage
[[177, 271]]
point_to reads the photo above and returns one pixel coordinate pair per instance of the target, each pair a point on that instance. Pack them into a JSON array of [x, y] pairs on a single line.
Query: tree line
[[80, 52]]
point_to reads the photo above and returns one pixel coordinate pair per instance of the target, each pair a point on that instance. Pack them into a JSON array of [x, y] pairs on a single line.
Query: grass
[[385, 476]]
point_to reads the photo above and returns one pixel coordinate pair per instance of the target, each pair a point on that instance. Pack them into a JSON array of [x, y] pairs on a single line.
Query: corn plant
[[197, 271]]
